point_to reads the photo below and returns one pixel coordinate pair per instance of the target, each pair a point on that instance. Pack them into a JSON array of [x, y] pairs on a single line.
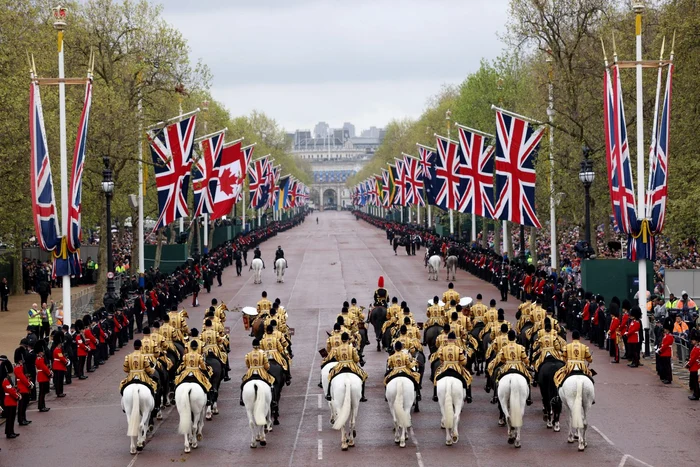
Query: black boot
[[418, 395], [328, 393], [528, 401], [363, 398], [469, 394], [435, 397]]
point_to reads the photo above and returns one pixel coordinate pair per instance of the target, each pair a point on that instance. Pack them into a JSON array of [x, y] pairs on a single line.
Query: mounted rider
[[257, 363], [499, 323], [392, 312], [575, 355], [452, 363], [400, 363], [279, 253], [194, 337], [178, 320], [170, 334], [139, 369], [490, 319], [214, 343], [409, 343], [275, 351], [478, 310], [381, 296], [348, 318], [347, 358], [548, 345], [264, 305], [193, 369], [523, 315], [514, 360], [497, 343], [258, 255], [450, 294], [464, 318], [356, 312], [435, 313]]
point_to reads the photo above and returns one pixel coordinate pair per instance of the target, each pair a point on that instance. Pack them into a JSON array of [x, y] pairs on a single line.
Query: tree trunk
[[190, 238], [134, 265], [533, 244], [17, 279], [484, 233], [509, 241], [159, 248], [101, 283], [212, 226], [497, 237]]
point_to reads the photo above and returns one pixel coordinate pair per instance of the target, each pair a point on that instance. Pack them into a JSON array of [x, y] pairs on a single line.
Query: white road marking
[[624, 459], [320, 402], [320, 422], [419, 458], [320, 449], [148, 440], [603, 435], [388, 278]]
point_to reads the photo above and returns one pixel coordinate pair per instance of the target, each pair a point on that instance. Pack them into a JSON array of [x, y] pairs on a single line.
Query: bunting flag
[[386, 188], [291, 198], [274, 186], [449, 184], [257, 183], [43, 200], [414, 181], [516, 150], [74, 234], [379, 182], [282, 193], [204, 173], [230, 176], [478, 170], [427, 163], [171, 149], [400, 183]]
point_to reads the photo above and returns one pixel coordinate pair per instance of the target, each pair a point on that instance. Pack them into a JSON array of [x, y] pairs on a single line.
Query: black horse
[[480, 351], [430, 336], [377, 317], [550, 396], [278, 373], [217, 368]]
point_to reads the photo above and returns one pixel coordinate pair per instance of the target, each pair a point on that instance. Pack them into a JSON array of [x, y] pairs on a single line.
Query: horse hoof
[[416, 409], [208, 417], [159, 416], [511, 440], [501, 423], [132, 451], [343, 448], [253, 445], [276, 422], [402, 444], [557, 428], [215, 411], [187, 450], [263, 443], [448, 442], [517, 444], [442, 426], [354, 434], [332, 421], [150, 428], [139, 448], [195, 445], [581, 449], [570, 440], [549, 425], [199, 437], [455, 438]]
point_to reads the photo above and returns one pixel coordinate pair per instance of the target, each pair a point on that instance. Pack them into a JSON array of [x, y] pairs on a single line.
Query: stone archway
[[329, 199]]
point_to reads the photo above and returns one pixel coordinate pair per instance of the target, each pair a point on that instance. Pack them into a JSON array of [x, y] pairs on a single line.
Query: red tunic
[[43, 374], [614, 328], [59, 360], [91, 340], [586, 312], [693, 360], [665, 349], [625, 322], [83, 348], [11, 393], [633, 332], [23, 383]]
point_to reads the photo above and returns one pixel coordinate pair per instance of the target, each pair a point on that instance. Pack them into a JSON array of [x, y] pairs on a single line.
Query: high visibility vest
[[34, 318]]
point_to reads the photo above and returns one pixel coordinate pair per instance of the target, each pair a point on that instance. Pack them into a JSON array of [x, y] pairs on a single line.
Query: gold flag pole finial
[[673, 44], [605, 55], [663, 46], [614, 49]]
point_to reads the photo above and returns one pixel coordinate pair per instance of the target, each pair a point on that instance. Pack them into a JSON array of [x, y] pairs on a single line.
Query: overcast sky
[[359, 61]]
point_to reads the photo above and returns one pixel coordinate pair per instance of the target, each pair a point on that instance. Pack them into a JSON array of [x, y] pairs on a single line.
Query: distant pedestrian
[[4, 294]]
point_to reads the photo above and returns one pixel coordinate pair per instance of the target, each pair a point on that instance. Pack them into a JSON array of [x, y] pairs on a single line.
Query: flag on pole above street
[[230, 175], [205, 171], [477, 167]]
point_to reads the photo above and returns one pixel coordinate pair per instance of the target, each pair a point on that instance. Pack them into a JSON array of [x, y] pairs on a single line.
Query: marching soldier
[[139, 369], [193, 369], [450, 294], [347, 358], [478, 309], [401, 363], [452, 363], [514, 360], [381, 296], [575, 355], [435, 314], [257, 363]]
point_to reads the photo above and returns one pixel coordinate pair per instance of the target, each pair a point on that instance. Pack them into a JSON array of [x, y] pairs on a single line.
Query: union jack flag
[[386, 188], [516, 150], [204, 179], [74, 234], [373, 192], [414, 181], [658, 172], [171, 149], [427, 161], [43, 200], [620, 181], [274, 178], [449, 183], [257, 182], [400, 183], [478, 170]]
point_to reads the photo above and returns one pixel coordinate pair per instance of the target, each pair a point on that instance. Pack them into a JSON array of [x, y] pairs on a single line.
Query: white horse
[[257, 266], [191, 405], [434, 267], [346, 390], [450, 392], [324, 383], [400, 394], [512, 394], [578, 394], [257, 397], [280, 266], [137, 403], [451, 265]]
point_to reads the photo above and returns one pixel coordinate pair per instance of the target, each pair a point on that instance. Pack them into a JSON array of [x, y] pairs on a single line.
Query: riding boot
[[435, 397], [487, 388], [289, 378], [469, 395], [528, 401], [418, 395], [363, 398], [328, 392], [241, 400]]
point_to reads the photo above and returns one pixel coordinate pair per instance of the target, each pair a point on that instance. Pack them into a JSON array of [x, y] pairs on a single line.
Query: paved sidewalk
[[13, 323]]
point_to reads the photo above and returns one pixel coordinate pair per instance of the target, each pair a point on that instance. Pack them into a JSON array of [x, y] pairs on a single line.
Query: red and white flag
[[230, 175]]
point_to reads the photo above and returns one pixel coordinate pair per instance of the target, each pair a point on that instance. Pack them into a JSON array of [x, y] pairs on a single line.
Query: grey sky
[[366, 62]]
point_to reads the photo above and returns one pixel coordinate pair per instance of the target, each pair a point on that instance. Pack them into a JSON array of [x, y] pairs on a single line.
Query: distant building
[[321, 130], [350, 128], [373, 132]]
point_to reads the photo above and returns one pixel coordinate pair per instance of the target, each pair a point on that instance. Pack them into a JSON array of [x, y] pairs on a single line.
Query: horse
[[257, 266], [377, 317], [324, 384], [137, 403], [522, 338], [512, 393], [450, 393], [346, 390], [451, 265], [434, 267], [479, 354], [400, 394], [257, 397], [550, 402], [578, 394], [280, 266], [430, 336], [277, 372], [217, 368], [191, 405]]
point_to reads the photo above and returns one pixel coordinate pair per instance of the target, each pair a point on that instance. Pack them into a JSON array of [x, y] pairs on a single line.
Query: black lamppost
[[587, 175], [110, 298]]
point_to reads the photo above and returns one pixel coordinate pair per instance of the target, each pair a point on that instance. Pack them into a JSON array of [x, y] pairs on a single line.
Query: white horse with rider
[[578, 394], [346, 390], [434, 263], [191, 402], [257, 397], [450, 392], [137, 403], [257, 266], [400, 394], [451, 266], [280, 266], [512, 397]]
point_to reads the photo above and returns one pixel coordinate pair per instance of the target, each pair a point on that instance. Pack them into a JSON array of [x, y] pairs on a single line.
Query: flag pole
[[142, 261], [452, 221], [553, 250], [182, 220], [638, 8], [60, 25], [205, 243]]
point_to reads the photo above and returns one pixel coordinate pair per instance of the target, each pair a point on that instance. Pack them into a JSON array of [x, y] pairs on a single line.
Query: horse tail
[[135, 414], [344, 413], [448, 405], [185, 412], [401, 415], [259, 407], [577, 409], [516, 411]]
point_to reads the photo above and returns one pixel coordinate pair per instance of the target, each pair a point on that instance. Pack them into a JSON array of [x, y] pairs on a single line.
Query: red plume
[[380, 283]]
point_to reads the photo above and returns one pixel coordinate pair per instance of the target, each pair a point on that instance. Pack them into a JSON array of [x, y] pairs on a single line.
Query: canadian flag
[[231, 176]]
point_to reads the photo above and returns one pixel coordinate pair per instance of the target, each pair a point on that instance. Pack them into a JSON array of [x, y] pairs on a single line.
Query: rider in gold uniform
[[524, 309], [273, 348], [257, 364], [490, 317], [393, 310], [138, 368], [495, 327], [514, 360], [401, 362], [347, 358], [457, 328], [478, 309], [410, 343], [193, 369], [435, 314], [500, 341], [450, 294], [452, 359], [463, 318], [575, 355], [548, 345], [356, 312], [194, 337]]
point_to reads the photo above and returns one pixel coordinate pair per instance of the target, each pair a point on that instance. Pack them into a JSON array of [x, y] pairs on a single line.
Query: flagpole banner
[[392, 185], [477, 167], [257, 183], [386, 189], [282, 192], [43, 199], [229, 175], [246, 158], [171, 149], [516, 150], [204, 173], [449, 184], [414, 181]]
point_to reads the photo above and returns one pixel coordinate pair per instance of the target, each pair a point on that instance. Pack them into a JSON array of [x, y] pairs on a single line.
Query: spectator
[[680, 329], [4, 294], [687, 308]]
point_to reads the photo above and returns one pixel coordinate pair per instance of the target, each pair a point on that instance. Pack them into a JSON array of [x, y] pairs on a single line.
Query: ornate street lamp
[[110, 297], [587, 175]]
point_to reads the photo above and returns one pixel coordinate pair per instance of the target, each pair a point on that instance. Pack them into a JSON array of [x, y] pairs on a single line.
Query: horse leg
[[517, 437], [343, 440], [132, 448], [187, 443], [501, 415], [253, 430]]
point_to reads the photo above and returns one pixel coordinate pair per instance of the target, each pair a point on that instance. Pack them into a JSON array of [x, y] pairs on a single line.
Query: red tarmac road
[[637, 421]]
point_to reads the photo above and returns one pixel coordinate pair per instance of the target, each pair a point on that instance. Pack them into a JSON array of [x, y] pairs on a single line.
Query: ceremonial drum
[[248, 311]]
